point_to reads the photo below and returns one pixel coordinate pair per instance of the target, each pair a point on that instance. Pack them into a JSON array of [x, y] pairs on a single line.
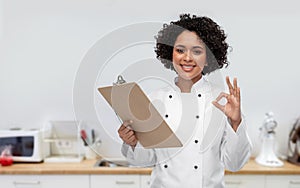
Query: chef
[[213, 135]]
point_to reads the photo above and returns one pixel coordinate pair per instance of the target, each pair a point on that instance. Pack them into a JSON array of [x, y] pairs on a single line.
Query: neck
[[185, 86]]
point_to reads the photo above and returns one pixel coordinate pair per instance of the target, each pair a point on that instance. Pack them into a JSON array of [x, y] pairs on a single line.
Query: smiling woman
[[214, 135]]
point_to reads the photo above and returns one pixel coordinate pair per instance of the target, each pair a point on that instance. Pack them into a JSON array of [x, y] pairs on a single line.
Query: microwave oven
[[26, 145]]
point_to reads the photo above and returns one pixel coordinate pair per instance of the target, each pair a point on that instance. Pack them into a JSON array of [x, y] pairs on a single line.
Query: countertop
[[87, 167]]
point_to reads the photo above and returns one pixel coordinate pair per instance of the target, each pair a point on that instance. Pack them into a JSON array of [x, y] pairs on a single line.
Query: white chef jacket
[[210, 145]]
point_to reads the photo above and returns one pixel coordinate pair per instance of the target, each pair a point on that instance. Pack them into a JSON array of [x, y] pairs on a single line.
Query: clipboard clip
[[120, 81]]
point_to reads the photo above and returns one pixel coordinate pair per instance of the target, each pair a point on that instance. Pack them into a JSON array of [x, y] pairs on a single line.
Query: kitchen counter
[[87, 167]]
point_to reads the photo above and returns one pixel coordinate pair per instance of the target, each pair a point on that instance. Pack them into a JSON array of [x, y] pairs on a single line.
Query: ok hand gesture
[[232, 108]]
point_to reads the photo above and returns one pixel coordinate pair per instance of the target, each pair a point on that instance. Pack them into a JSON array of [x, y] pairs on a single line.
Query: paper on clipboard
[[130, 103]]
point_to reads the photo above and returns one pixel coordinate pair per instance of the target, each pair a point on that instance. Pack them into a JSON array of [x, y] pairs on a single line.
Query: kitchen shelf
[[64, 140], [60, 139]]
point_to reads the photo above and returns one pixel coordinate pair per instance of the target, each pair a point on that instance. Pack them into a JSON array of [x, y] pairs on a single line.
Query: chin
[[190, 77]]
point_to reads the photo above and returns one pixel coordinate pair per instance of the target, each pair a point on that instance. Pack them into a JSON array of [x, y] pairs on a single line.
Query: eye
[[197, 52], [179, 50]]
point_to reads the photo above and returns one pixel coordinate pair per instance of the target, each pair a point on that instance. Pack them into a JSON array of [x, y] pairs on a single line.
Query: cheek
[[176, 58], [175, 62], [201, 61]]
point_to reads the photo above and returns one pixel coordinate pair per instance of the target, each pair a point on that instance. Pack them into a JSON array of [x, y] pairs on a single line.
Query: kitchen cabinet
[[262, 181], [244, 181], [85, 175], [20, 181], [44, 181], [74, 181], [137, 181], [115, 181], [280, 181], [231, 181]]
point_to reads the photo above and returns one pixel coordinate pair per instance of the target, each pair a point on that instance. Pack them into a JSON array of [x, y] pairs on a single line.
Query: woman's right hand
[[127, 134]]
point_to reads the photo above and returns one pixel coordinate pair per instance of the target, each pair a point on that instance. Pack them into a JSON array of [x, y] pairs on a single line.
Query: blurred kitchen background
[[42, 45]]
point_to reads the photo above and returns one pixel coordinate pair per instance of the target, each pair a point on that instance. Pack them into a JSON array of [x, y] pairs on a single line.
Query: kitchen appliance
[[294, 143], [26, 145], [267, 156]]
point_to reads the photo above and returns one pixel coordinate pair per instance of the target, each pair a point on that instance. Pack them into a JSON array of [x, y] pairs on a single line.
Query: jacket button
[[199, 95], [166, 115], [170, 96], [195, 167], [166, 166], [197, 116], [196, 141]]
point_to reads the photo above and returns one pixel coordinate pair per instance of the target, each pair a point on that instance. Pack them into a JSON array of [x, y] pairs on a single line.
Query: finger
[[129, 134], [219, 106], [230, 99], [235, 86], [221, 95], [216, 102], [132, 139], [125, 133], [229, 85], [238, 96], [123, 129]]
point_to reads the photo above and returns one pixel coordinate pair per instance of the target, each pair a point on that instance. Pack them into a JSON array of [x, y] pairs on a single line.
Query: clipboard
[[130, 103]]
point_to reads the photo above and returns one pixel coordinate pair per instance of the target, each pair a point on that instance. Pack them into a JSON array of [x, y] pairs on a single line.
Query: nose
[[188, 56]]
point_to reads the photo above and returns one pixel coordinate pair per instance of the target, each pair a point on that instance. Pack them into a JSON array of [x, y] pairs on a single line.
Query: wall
[[43, 43]]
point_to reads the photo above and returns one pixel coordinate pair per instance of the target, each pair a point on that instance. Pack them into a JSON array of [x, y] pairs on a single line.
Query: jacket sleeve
[[139, 156], [235, 147]]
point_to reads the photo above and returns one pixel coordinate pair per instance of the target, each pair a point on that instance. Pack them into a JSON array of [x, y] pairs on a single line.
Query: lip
[[187, 67]]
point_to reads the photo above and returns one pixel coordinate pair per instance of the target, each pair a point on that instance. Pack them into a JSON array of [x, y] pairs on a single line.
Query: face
[[189, 56]]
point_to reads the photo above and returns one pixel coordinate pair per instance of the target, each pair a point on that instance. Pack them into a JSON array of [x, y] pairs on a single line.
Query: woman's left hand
[[232, 108]]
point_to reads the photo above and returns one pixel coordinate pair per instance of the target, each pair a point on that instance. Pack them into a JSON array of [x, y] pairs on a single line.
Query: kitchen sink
[[111, 163]]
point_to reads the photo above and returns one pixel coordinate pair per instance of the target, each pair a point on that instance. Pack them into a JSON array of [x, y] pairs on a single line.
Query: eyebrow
[[182, 46]]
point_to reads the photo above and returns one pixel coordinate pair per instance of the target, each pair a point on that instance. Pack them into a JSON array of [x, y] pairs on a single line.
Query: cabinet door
[[73, 181], [20, 181], [244, 181], [115, 181], [280, 181], [44, 181], [145, 181]]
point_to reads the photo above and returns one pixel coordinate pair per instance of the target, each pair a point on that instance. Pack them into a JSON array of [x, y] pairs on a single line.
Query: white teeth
[[187, 67]]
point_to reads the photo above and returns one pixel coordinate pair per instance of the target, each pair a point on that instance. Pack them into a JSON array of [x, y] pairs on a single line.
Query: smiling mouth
[[187, 68]]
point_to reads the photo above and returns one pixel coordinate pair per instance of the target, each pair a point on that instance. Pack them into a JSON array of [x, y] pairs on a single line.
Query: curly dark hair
[[206, 29]]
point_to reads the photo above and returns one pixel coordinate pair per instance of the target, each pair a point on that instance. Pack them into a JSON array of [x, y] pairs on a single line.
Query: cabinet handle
[[124, 182], [295, 182], [27, 182], [233, 182]]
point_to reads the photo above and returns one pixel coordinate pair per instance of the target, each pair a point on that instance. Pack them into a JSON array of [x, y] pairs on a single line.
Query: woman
[[217, 138]]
